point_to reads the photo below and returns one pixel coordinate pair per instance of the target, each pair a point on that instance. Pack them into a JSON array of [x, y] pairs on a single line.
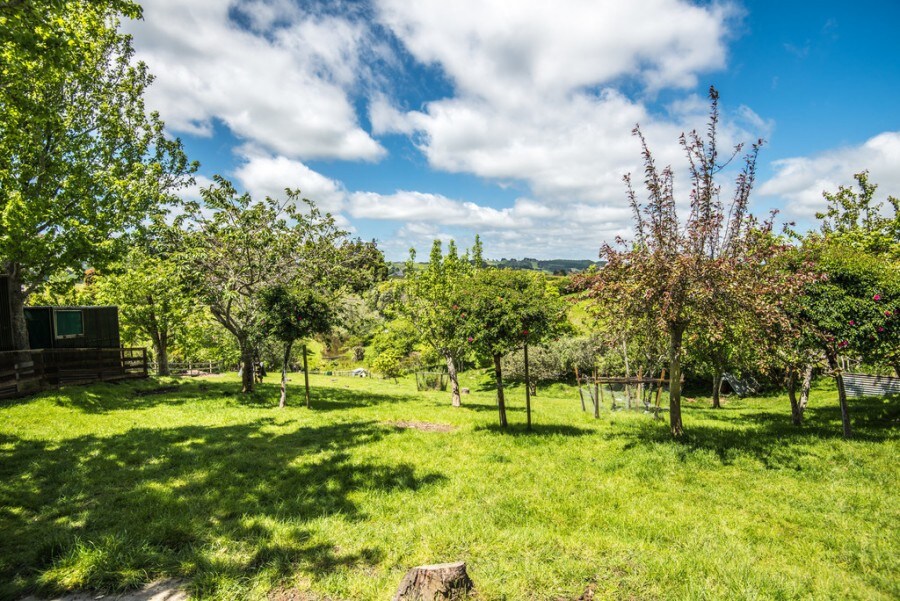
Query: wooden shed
[[61, 327], [72, 327]]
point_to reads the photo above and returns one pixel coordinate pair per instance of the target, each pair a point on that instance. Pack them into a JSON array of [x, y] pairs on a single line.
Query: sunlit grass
[[101, 488]]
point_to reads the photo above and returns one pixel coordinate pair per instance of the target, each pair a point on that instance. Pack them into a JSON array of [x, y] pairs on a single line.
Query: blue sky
[[511, 119]]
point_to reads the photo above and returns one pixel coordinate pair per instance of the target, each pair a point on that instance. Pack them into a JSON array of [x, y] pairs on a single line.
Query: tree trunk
[[627, 375], [284, 366], [527, 390], [306, 376], [798, 407], [17, 298], [501, 402], [676, 332], [842, 394], [805, 386], [717, 391], [897, 369], [162, 357], [455, 399], [441, 582], [580, 391], [246, 366]]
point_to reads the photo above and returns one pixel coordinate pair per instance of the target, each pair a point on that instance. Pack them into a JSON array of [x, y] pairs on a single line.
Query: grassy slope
[[101, 488]]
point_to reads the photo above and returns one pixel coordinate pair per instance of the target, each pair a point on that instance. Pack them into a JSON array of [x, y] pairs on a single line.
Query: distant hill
[[548, 265], [556, 266]]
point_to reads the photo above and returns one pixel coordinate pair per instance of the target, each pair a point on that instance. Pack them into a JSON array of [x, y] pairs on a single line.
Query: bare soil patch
[[423, 426], [161, 590]]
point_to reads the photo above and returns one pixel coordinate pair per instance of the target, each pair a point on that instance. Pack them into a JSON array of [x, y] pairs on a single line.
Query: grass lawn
[[102, 488]]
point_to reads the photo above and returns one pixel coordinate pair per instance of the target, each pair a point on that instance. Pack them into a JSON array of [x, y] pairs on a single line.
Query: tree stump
[[439, 582]]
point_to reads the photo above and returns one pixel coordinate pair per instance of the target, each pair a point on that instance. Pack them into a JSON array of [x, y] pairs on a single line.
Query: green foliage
[[151, 302], [81, 160], [390, 363], [854, 308], [428, 299], [861, 223], [503, 309], [291, 314], [233, 248]]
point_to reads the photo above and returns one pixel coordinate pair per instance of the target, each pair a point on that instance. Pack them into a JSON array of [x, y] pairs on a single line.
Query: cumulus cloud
[[263, 175], [509, 51], [801, 180], [536, 98], [537, 87], [421, 207], [281, 81]]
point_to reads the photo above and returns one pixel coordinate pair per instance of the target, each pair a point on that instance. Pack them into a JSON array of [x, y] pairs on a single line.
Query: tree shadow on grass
[[133, 395], [536, 430], [768, 436], [201, 503]]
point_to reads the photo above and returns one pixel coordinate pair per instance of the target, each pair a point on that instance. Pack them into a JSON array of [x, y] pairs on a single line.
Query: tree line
[[88, 179]]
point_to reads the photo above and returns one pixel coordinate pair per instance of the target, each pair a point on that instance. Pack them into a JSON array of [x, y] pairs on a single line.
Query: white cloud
[[283, 84], [536, 95], [434, 208], [263, 175], [801, 180], [509, 51]]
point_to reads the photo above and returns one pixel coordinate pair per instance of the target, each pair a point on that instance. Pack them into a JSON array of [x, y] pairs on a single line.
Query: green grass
[[103, 489]]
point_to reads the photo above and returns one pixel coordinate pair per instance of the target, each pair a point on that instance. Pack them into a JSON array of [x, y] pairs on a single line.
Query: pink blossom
[[470, 339], [880, 329], [877, 297], [842, 343], [852, 323], [524, 332]]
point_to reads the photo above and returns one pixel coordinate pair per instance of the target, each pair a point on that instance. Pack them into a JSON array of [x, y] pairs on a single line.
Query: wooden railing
[[192, 368], [26, 372]]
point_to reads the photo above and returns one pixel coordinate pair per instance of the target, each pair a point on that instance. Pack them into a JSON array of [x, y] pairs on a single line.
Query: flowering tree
[[851, 308], [716, 265], [504, 310]]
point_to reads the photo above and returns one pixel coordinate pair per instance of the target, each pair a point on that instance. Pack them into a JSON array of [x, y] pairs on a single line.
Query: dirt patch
[[162, 590], [292, 594], [423, 426]]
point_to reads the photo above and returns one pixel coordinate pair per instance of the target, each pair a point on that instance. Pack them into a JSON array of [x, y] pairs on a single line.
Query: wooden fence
[[192, 368], [27, 372]]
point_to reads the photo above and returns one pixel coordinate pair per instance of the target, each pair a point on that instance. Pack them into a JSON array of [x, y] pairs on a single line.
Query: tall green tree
[[151, 301], [234, 248], [81, 159], [290, 315], [504, 310], [430, 298]]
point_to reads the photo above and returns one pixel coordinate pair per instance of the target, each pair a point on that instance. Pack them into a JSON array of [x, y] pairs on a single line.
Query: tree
[[430, 299], [80, 158], [292, 314], [150, 300], [233, 248], [852, 309], [503, 310], [715, 264]]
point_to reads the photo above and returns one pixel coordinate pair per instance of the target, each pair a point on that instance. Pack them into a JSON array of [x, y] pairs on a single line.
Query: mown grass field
[[103, 489]]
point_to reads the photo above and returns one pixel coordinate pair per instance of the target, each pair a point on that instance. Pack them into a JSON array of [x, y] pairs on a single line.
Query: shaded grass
[[103, 488]]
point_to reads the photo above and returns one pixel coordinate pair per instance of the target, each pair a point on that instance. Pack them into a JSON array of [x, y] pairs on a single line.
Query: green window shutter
[[69, 324]]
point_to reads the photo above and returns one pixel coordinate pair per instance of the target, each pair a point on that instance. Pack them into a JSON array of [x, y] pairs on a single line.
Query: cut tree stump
[[439, 582]]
